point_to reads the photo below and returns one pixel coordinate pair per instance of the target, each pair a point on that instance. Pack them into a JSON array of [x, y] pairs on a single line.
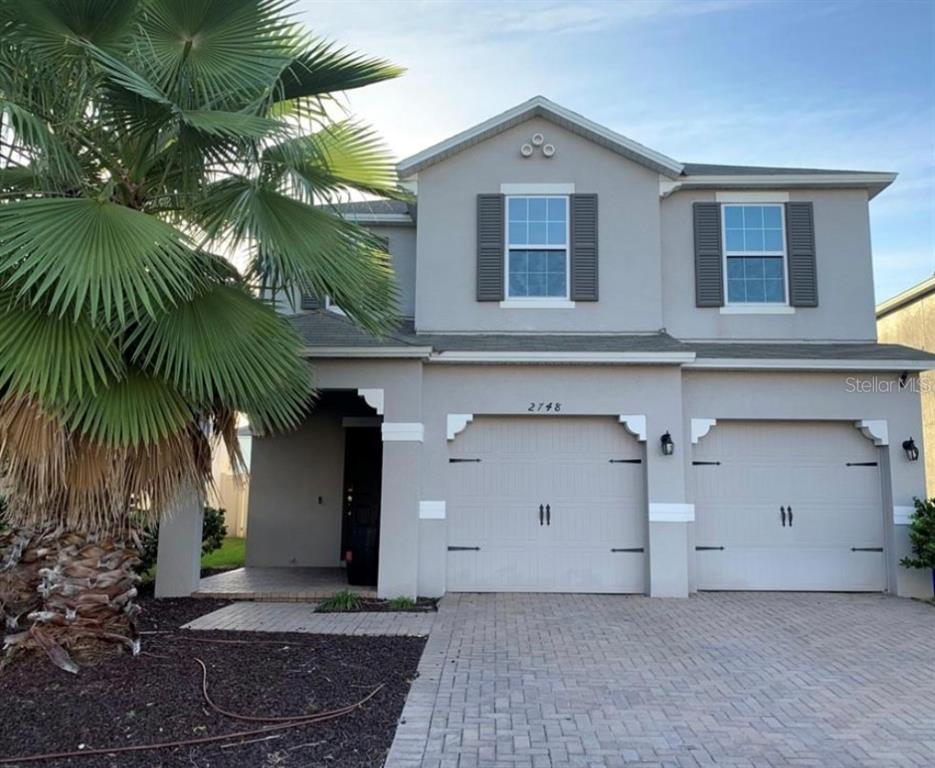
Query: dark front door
[[360, 531]]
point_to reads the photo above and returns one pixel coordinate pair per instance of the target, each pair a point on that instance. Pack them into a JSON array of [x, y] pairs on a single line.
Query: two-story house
[[617, 373]]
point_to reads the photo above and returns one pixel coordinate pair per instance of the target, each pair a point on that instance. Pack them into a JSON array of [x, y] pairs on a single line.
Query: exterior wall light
[[911, 449], [668, 447]]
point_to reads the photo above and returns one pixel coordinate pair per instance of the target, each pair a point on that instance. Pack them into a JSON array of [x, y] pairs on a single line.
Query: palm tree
[[141, 141]]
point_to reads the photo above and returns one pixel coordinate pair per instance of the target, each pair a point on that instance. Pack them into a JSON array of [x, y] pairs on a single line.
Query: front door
[[360, 530]]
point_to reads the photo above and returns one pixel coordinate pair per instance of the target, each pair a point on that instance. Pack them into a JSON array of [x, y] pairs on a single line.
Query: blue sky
[[793, 82]]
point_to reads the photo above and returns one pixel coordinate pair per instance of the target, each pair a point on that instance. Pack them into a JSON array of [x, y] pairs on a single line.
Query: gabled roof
[[539, 106], [679, 175], [908, 296]]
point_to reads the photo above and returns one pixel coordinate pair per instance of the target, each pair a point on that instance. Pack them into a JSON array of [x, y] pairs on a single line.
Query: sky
[[827, 84]]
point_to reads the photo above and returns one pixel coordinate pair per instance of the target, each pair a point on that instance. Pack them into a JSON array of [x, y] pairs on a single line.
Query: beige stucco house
[[615, 372], [909, 318]]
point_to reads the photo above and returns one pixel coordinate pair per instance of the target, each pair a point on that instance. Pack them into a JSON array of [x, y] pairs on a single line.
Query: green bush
[[402, 603], [922, 537], [340, 603], [213, 531]]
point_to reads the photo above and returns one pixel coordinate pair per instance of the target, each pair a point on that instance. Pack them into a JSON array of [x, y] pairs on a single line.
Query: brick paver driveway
[[757, 680]]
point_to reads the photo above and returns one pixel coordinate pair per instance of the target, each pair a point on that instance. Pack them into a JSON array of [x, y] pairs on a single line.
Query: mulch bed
[[157, 697]]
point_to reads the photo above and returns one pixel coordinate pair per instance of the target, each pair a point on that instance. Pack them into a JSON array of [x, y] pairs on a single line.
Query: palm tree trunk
[[86, 592], [23, 554]]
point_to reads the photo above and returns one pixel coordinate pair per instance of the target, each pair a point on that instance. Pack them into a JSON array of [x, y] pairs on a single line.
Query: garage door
[[788, 505], [546, 504]]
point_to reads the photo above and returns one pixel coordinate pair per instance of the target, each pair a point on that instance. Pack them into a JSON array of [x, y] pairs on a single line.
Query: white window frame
[[536, 302], [756, 307]]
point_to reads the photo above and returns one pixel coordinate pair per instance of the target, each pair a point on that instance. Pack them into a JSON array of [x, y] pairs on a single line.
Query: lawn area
[[230, 555]]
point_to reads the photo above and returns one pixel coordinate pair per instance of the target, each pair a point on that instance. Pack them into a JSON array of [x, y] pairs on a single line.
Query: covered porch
[[320, 496], [278, 584]]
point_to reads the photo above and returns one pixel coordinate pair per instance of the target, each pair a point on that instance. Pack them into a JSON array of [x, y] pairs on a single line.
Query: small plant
[[341, 602], [402, 603], [922, 537]]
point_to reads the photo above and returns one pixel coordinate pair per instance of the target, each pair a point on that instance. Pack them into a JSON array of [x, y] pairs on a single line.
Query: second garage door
[[546, 504], [788, 505]]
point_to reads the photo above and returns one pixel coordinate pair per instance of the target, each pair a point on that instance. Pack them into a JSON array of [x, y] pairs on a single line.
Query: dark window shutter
[[800, 242], [583, 247], [490, 245], [709, 265]]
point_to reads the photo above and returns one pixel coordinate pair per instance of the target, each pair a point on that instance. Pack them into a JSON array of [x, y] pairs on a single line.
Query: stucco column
[[399, 509], [670, 515], [178, 562]]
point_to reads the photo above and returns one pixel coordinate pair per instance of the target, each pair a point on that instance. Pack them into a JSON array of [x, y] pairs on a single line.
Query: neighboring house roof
[[682, 175], [379, 211], [908, 296], [330, 335], [539, 106]]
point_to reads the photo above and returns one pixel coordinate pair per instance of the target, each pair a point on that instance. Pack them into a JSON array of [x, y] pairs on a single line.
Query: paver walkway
[[732, 679], [278, 584], [301, 617]]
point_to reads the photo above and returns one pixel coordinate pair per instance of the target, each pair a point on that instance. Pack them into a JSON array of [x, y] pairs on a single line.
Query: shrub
[[922, 537], [402, 603], [340, 602], [213, 531]]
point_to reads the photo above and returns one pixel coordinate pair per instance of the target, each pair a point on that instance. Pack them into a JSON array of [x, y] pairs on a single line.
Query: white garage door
[[788, 505], [586, 475]]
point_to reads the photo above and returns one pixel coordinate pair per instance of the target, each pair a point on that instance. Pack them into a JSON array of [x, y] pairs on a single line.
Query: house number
[[545, 408]]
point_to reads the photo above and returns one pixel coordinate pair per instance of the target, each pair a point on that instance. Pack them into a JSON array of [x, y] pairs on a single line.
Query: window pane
[[518, 284], [733, 216], [734, 239], [537, 233], [557, 209], [735, 290], [753, 239], [556, 233], [556, 261], [772, 267], [752, 217], [537, 208], [772, 217], [538, 261], [753, 268], [518, 233], [517, 209], [556, 284], [775, 290], [735, 268], [518, 261], [755, 290], [537, 284], [772, 239]]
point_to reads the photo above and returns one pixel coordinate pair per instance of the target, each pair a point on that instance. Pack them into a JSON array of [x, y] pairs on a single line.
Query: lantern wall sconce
[[668, 446], [911, 449]]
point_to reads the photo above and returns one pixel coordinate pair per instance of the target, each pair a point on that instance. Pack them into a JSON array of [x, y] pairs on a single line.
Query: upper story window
[[755, 250], [537, 247]]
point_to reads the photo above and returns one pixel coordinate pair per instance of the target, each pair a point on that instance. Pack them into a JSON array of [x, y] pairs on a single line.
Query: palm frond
[[224, 53], [137, 410], [297, 245], [118, 258], [54, 28], [224, 346], [342, 156], [52, 359], [29, 139], [326, 68], [232, 125]]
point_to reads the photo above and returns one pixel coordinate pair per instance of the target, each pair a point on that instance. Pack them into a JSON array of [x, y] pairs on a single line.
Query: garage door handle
[[790, 515], [548, 515], [541, 509], [866, 549], [782, 516]]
